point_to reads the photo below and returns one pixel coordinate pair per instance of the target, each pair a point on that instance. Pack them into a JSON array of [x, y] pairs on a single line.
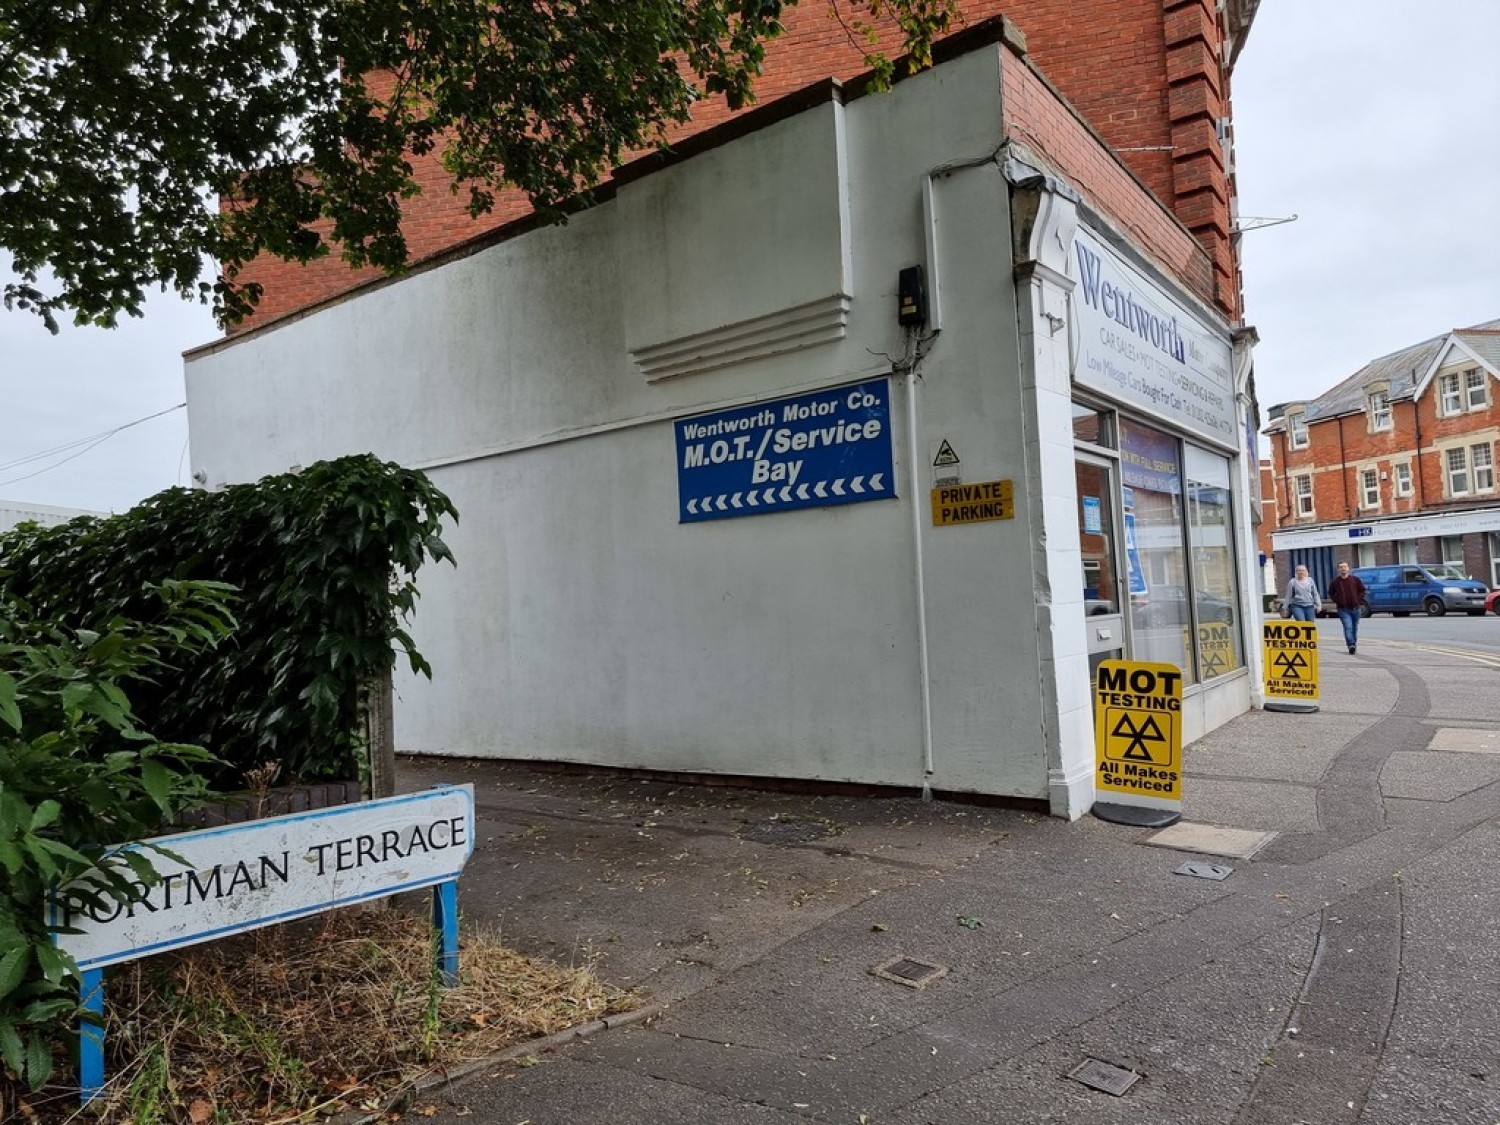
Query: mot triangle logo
[[1136, 736], [1289, 665]]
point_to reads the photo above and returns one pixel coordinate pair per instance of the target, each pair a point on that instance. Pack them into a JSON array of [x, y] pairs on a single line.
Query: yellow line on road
[[1490, 658]]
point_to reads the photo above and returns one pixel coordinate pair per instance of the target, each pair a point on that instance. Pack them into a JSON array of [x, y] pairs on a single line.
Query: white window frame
[[1296, 428], [1445, 545], [1482, 476], [1450, 394], [1303, 500], [1456, 470], [1380, 411], [1369, 485], [1402, 486], [1475, 378]]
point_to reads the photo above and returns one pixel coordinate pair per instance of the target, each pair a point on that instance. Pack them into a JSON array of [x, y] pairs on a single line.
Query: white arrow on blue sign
[[812, 450]]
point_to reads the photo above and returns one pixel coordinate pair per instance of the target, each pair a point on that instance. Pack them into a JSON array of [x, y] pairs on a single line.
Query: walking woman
[[1302, 596]]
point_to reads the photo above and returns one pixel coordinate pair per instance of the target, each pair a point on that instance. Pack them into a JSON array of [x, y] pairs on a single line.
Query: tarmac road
[[1348, 972]]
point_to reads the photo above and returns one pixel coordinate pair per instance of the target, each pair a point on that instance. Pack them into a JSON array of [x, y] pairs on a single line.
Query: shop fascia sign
[[1458, 523], [1144, 349]]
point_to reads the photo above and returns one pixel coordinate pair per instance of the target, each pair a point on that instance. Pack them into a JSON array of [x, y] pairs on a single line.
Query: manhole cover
[[908, 971], [786, 831], [1104, 1076]]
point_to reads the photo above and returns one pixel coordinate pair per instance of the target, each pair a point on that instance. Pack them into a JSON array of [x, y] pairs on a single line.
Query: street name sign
[[221, 881]]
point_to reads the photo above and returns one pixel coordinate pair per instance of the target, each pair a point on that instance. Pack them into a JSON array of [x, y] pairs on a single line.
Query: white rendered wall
[[583, 622]]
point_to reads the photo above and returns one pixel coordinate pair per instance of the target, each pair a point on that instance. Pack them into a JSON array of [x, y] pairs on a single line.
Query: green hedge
[[324, 562], [78, 773]]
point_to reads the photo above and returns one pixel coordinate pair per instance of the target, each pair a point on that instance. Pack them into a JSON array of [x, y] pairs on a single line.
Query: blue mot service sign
[[811, 451]]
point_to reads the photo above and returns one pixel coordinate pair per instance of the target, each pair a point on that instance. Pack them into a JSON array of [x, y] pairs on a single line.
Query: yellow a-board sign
[[1138, 733], [1291, 654]]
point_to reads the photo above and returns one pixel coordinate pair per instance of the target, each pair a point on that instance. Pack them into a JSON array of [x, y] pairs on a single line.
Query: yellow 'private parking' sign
[[973, 503], [1138, 733]]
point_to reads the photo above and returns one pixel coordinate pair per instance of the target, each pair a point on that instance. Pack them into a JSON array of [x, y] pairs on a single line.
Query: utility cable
[[72, 447]]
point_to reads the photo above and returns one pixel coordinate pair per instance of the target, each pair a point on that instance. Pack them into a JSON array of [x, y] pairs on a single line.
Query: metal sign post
[[222, 881]]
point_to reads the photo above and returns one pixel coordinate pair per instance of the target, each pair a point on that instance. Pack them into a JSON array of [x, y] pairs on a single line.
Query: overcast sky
[[1375, 123]]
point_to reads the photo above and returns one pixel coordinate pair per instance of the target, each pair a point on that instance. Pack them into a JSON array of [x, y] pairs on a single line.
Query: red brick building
[[1396, 463], [1151, 77]]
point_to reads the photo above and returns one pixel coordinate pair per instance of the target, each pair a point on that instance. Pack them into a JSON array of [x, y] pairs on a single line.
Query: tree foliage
[[126, 119]]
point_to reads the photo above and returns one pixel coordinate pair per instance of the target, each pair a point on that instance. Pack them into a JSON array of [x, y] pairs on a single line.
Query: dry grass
[[300, 1022]]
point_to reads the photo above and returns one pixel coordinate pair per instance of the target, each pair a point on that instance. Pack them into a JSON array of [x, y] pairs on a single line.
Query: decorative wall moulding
[[817, 322]]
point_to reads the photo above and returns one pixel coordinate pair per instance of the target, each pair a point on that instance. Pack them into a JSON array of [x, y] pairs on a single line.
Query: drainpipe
[[1343, 467], [913, 436], [1286, 486], [1416, 417]]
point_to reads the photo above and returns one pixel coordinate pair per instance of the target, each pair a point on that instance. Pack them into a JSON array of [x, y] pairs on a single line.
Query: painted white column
[[1249, 462], [1045, 223]]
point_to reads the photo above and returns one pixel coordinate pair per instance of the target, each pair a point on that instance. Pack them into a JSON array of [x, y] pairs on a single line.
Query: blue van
[[1427, 588]]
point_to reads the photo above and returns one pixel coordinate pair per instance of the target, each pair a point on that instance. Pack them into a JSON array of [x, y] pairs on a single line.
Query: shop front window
[[1156, 548], [1211, 545], [1180, 549]]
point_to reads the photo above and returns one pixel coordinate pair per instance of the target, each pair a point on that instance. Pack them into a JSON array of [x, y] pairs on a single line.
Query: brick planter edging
[[243, 807]]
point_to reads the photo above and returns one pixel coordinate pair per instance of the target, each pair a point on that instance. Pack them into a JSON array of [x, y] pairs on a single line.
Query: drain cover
[[1104, 1076], [786, 831], [908, 971], [1218, 872]]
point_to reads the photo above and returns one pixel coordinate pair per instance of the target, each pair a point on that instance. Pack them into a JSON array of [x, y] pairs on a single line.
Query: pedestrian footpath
[[894, 962]]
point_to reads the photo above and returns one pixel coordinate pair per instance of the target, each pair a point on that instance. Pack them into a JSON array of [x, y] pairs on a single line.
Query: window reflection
[[1156, 554], [1211, 538], [1092, 426]]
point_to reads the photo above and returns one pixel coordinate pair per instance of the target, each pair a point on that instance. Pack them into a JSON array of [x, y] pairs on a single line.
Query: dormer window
[[1450, 394], [1461, 391], [1380, 410], [1296, 425]]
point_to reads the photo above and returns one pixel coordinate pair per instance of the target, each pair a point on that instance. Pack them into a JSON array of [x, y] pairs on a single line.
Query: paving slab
[[1271, 805], [1465, 740], [1210, 839], [1276, 746], [1199, 1041], [1427, 775]]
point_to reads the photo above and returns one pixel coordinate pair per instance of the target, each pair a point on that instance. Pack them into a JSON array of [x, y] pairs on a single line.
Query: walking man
[[1348, 594]]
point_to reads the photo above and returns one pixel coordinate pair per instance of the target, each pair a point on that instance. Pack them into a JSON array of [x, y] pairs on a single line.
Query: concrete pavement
[[1349, 971]]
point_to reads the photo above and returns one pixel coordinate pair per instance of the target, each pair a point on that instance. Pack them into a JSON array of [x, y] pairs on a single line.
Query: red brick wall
[[1269, 506], [1033, 114], [1336, 468], [1147, 74]]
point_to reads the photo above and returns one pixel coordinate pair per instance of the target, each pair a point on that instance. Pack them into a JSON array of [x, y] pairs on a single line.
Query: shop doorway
[[1106, 594]]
